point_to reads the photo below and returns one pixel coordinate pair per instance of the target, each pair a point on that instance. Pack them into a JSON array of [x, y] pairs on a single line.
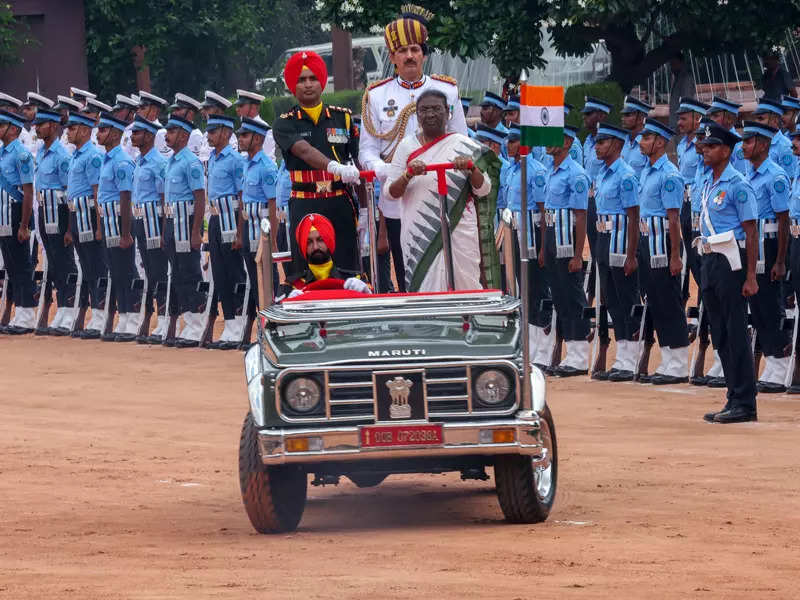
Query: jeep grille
[[349, 395]]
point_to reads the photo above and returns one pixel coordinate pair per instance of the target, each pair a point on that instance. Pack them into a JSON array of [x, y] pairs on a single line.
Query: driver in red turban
[[316, 241]]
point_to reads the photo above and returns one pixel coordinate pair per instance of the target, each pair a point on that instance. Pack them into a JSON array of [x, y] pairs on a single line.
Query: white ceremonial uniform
[[386, 102], [127, 145], [160, 144]]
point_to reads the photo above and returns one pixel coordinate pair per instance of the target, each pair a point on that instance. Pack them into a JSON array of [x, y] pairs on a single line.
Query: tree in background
[[641, 35], [190, 45], [13, 34]]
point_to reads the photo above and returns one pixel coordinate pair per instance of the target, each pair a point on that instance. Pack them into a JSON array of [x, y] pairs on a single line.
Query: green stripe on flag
[[542, 136]]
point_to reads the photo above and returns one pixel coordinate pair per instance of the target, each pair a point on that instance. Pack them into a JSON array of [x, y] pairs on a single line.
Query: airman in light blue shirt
[[148, 178]]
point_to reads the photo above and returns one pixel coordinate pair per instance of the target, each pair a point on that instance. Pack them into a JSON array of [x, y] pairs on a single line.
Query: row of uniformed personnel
[[105, 176], [638, 204]]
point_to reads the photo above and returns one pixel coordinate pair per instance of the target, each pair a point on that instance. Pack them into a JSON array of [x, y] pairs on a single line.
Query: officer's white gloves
[[356, 285], [347, 173], [295, 293], [381, 170]]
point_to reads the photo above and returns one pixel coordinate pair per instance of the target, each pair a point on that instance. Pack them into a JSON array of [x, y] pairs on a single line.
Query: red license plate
[[401, 435]]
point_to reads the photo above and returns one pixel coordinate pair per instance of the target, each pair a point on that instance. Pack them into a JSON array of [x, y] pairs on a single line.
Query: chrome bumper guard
[[460, 439]]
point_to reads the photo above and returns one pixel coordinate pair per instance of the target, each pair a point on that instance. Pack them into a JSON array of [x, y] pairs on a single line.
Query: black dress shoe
[[154, 340], [768, 387], [235, 346], [3, 328], [567, 371], [540, 366], [793, 389], [660, 379], [90, 334], [125, 337], [699, 380], [43, 331], [109, 337], [737, 414], [17, 330], [709, 417], [169, 342], [184, 343], [716, 382], [645, 378], [141, 339], [77, 333], [59, 331], [602, 375], [621, 375]]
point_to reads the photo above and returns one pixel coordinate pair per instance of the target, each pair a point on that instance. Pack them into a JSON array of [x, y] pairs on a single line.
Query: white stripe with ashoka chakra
[[542, 116]]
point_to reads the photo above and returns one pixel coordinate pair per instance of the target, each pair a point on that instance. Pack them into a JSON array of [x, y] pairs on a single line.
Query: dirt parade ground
[[118, 479]]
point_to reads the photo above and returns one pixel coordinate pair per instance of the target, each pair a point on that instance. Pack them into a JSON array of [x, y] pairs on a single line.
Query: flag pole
[[523, 265]]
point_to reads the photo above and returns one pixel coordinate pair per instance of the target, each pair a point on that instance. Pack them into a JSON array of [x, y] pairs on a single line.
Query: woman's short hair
[[433, 94]]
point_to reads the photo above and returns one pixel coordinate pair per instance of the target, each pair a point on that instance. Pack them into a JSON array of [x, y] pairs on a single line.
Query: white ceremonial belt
[[59, 195], [605, 223], [169, 209], [138, 210], [722, 243]]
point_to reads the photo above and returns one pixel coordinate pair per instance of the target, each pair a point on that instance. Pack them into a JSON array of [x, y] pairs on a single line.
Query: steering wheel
[[325, 284]]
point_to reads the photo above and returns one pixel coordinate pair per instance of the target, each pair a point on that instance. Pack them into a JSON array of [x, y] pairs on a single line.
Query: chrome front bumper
[[460, 439]]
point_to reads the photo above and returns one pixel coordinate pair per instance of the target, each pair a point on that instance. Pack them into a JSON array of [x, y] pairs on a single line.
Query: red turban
[[304, 58], [321, 224]]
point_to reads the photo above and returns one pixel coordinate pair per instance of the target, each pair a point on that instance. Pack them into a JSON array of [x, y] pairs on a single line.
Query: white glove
[[356, 285], [295, 293], [381, 170], [347, 173]]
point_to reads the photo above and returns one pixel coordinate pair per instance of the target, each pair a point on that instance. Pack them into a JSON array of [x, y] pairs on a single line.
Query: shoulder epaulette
[[341, 109], [445, 78], [375, 84]]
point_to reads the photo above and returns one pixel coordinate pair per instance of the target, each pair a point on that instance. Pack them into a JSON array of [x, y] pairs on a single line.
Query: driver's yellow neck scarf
[[322, 271]]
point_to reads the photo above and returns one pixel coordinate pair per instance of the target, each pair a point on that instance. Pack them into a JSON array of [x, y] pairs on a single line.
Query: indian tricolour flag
[[542, 115]]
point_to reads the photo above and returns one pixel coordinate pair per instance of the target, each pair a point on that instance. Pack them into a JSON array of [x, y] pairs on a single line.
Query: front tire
[[274, 497], [526, 492]]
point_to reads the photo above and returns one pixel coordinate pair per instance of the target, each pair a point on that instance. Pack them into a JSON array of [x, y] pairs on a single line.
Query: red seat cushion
[[315, 295]]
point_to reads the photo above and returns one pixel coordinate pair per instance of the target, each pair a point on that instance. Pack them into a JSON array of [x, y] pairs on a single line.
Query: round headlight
[[492, 386], [302, 394]]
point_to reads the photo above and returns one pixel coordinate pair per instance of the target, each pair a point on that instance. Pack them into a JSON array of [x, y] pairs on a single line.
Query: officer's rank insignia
[[337, 136], [391, 108], [708, 131]]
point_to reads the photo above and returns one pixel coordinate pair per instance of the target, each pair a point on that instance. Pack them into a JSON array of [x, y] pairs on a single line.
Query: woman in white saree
[[420, 236]]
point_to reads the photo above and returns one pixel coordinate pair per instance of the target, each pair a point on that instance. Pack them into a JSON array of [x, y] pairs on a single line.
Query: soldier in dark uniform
[[316, 137]]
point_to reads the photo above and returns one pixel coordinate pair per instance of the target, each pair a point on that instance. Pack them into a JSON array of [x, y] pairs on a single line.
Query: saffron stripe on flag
[[542, 136], [542, 95]]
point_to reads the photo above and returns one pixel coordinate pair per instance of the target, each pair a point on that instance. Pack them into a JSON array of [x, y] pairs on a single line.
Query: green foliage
[[641, 35], [507, 32], [13, 34], [608, 91], [192, 45]]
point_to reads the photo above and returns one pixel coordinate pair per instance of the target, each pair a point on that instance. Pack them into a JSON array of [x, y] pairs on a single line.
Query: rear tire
[[367, 480], [526, 492], [274, 497]]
